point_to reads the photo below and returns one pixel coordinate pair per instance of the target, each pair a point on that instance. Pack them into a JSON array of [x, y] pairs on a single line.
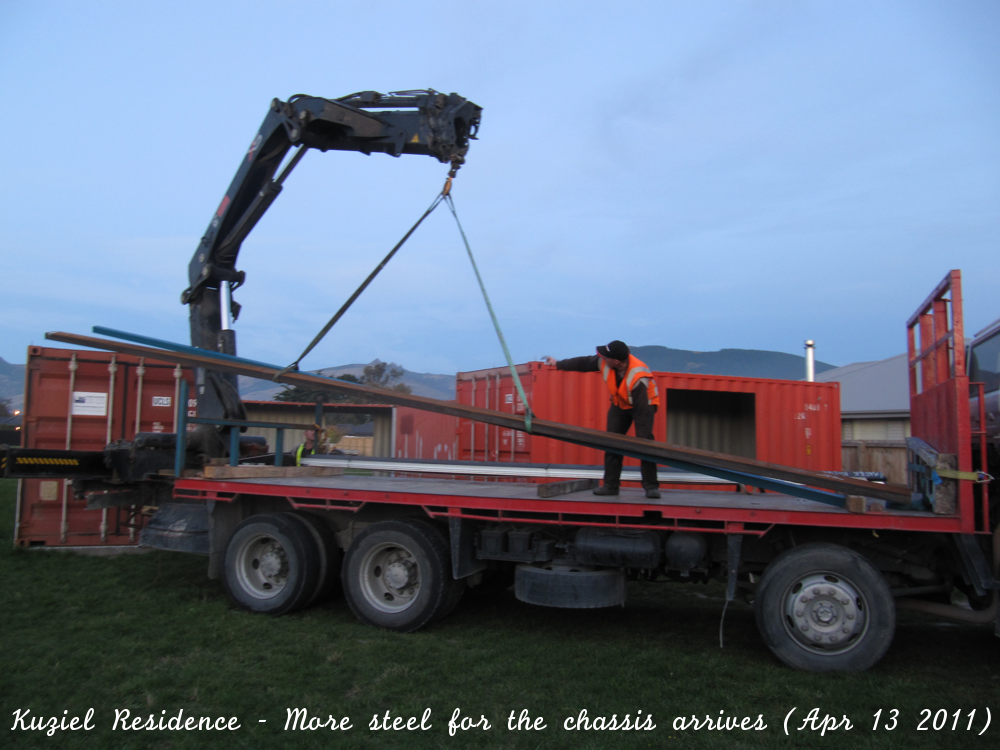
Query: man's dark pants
[[619, 420]]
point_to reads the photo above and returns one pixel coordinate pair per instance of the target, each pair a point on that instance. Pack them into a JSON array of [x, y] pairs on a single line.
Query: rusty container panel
[[787, 422], [424, 434], [493, 389], [83, 400]]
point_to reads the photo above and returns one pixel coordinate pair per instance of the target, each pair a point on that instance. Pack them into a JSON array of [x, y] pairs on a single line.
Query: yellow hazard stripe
[[49, 461]]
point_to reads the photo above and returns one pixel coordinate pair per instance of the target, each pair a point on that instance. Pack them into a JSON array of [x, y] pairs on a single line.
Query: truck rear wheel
[[329, 556], [272, 564], [822, 607], [397, 575]]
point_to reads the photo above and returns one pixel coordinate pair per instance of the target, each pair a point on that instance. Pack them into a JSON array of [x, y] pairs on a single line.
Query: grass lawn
[[150, 634]]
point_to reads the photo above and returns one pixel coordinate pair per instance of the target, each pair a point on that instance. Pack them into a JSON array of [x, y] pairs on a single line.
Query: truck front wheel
[[397, 575], [822, 607]]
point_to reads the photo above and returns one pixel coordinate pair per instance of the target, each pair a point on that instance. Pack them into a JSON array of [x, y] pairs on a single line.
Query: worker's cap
[[614, 350]]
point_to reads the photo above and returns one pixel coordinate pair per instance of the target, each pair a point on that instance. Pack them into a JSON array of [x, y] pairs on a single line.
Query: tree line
[[377, 375]]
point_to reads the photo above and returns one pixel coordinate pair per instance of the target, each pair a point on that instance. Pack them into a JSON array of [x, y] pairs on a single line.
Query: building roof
[[872, 389]]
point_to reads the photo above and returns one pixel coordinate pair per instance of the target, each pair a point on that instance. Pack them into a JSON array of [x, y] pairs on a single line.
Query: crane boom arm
[[412, 122], [406, 122]]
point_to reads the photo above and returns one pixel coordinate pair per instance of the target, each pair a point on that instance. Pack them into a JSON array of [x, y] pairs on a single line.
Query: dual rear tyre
[[397, 574], [273, 564]]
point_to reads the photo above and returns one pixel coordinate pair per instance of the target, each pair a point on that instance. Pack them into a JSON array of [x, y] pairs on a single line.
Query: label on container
[[161, 400], [87, 404]]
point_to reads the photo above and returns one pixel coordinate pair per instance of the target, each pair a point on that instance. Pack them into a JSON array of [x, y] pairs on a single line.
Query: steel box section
[[793, 423], [114, 396]]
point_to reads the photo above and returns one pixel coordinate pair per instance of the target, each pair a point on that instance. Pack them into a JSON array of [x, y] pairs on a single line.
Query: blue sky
[[695, 175]]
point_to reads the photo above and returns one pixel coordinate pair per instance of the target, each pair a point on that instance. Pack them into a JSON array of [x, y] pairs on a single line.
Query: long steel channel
[[790, 480], [498, 469]]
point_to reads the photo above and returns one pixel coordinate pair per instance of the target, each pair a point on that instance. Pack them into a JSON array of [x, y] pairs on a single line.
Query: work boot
[[652, 493], [605, 490]]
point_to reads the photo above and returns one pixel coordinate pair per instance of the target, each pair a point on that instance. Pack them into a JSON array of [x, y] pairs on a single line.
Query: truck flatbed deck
[[707, 510]]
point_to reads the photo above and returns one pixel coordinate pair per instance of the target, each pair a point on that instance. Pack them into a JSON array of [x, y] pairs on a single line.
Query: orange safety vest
[[637, 372]]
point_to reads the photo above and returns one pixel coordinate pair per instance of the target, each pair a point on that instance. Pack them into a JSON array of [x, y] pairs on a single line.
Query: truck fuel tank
[[617, 548], [685, 549]]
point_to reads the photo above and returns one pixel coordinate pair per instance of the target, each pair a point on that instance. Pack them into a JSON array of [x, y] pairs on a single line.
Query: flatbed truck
[[826, 561]]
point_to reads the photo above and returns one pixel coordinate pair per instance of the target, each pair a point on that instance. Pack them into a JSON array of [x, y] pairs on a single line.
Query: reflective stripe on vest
[[621, 395]]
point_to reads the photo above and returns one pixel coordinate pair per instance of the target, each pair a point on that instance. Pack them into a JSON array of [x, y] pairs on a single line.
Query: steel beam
[[754, 473]]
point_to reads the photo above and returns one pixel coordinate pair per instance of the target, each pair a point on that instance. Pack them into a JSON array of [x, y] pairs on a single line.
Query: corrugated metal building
[[874, 399], [875, 415], [381, 437], [395, 431]]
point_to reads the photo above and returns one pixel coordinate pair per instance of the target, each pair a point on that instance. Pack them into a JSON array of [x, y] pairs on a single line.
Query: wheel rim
[[825, 613], [262, 566], [390, 578]]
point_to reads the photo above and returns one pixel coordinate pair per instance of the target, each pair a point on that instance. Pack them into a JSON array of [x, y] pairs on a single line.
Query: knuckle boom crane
[[403, 122]]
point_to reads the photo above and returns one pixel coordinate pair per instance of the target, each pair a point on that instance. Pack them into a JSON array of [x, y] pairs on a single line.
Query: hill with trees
[[12, 383]]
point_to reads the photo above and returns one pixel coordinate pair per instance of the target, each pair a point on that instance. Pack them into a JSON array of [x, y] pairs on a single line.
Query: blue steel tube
[[279, 447], [234, 446], [181, 422], [181, 348]]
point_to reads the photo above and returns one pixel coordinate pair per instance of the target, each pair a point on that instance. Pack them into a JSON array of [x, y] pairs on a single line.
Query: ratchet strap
[[979, 477]]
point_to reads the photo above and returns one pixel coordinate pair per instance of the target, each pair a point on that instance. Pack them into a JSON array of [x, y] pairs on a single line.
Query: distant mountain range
[[424, 384], [751, 363], [12, 383]]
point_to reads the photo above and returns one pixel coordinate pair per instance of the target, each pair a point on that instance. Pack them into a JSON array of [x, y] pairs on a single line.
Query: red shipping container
[[787, 422], [424, 434], [83, 400]]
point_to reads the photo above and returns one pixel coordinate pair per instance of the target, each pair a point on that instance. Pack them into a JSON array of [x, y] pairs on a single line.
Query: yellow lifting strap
[[979, 477]]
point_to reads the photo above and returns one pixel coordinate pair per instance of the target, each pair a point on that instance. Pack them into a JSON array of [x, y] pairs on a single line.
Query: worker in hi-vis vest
[[308, 448], [634, 398]]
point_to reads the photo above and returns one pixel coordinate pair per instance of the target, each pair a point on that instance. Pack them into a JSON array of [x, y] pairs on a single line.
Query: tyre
[[272, 564], [569, 586], [397, 575], [822, 607], [329, 556]]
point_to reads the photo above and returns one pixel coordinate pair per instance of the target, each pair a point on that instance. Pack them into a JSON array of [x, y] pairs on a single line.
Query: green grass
[[151, 633]]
